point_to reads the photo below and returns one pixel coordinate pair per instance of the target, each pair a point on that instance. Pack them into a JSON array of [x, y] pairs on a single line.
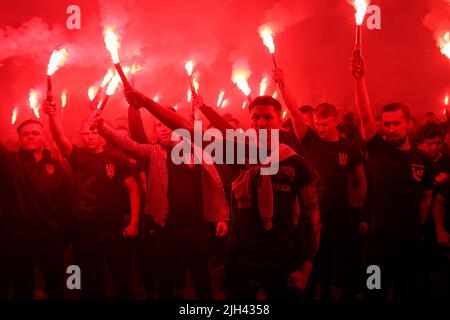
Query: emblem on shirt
[[418, 171], [110, 170], [50, 168], [343, 159]]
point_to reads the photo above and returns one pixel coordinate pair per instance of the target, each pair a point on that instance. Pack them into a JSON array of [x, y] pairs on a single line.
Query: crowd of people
[[350, 192]]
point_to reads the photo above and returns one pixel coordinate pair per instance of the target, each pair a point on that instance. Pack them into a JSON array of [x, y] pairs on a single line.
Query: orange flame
[[219, 100], [63, 98], [239, 77], [361, 9], [14, 115], [263, 86], [444, 44], [267, 36], [92, 92], [112, 44], [33, 99], [57, 59], [189, 66]]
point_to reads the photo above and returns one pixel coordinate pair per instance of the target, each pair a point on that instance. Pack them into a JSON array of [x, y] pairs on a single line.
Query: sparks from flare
[[112, 44], [63, 98], [244, 104], [189, 66], [267, 36], [224, 103], [239, 77], [444, 44], [275, 95], [220, 98], [113, 84], [135, 68], [33, 99], [156, 98], [263, 86], [107, 78], [284, 114], [14, 115], [57, 59], [361, 9], [91, 92]]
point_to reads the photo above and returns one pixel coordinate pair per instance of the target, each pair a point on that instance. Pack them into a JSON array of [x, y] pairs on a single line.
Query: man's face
[[432, 146], [395, 127], [163, 133], [326, 127], [309, 118], [265, 117], [31, 137], [91, 139]]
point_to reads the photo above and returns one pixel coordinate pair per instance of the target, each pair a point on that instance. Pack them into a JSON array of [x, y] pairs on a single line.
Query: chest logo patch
[[50, 169], [110, 170], [342, 159], [418, 172]]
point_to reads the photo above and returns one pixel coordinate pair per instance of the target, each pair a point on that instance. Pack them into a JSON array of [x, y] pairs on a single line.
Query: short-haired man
[[401, 192], [38, 199]]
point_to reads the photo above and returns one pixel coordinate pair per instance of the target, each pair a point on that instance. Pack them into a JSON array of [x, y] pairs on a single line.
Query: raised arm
[[57, 129], [167, 117], [136, 126], [298, 122], [124, 143], [368, 124]]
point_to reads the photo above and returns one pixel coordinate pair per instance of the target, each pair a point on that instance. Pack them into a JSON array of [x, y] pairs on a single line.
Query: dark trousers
[[399, 259], [94, 249], [337, 262], [175, 249], [48, 254], [246, 273]]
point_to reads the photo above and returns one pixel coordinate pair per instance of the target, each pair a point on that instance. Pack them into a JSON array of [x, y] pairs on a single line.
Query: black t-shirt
[[99, 185], [184, 193], [333, 161], [247, 233], [397, 180], [38, 195]]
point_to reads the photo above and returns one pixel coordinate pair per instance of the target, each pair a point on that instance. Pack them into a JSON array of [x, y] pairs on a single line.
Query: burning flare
[[219, 100], [446, 100], [444, 44], [263, 86], [361, 8], [156, 98], [33, 99], [92, 92], [239, 77], [244, 104], [135, 68], [57, 59], [224, 103], [189, 66], [112, 44], [113, 84], [63, 98], [267, 36], [107, 78], [14, 115]]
